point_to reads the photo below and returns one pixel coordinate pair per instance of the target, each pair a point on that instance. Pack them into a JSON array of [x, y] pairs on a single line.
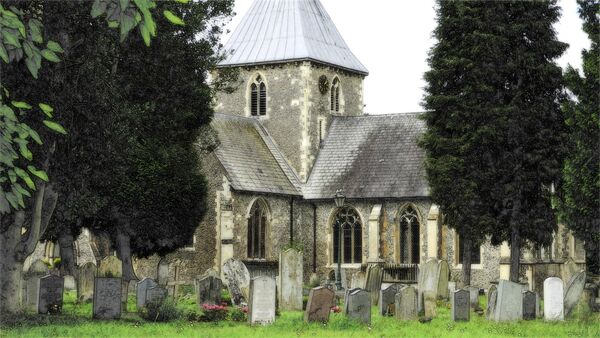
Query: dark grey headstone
[[346, 293], [320, 301], [107, 298], [460, 307], [50, 294], [141, 290], [156, 294], [359, 306], [208, 289], [529, 305], [406, 303], [387, 299]]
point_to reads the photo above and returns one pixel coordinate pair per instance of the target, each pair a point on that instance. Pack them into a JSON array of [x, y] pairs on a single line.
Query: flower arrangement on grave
[[214, 312], [336, 309]]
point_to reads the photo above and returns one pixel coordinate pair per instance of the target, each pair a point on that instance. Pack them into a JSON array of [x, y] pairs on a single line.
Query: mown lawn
[[75, 322]]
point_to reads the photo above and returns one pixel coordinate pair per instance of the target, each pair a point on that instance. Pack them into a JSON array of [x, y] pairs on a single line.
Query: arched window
[[350, 239], [258, 97], [409, 236], [257, 230], [335, 95]]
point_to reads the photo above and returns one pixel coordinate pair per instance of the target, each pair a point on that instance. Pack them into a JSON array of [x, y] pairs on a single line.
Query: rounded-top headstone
[[553, 299], [37, 269], [237, 279]]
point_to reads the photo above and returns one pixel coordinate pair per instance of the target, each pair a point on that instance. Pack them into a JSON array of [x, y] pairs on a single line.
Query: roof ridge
[[378, 115]]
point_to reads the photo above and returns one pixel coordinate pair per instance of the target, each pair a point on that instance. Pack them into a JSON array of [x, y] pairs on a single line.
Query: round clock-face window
[[323, 84]]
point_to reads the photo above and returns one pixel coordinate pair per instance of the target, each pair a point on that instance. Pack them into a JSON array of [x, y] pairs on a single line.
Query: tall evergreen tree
[[495, 133], [580, 207]]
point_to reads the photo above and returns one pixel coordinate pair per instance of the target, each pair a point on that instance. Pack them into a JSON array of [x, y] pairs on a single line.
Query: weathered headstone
[[406, 303], [69, 283], [359, 306], [569, 269], [290, 280], [430, 303], [373, 281], [346, 293], [509, 302], [428, 279], [320, 301], [460, 307], [162, 272], [156, 294], [451, 287], [443, 274], [473, 297], [208, 290], [358, 280], [529, 305], [50, 294], [37, 270], [491, 302], [142, 289], [111, 267], [107, 298], [261, 307], [574, 291], [553, 299], [387, 299], [85, 281], [237, 279]]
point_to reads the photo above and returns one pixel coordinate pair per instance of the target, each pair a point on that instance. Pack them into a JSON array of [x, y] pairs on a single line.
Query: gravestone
[[37, 270], [141, 290], [359, 306], [156, 294], [509, 301], [237, 279], [569, 269], [69, 283], [358, 280], [406, 303], [320, 301], [430, 303], [451, 287], [387, 299], [346, 293], [290, 280], [107, 298], [208, 290], [111, 267], [460, 308], [529, 305], [553, 299], [261, 307], [342, 279], [443, 274], [162, 272], [574, 291], [85, 282], [473, 297], [373, 281], [428, 279], [50, 294], [491, 302]]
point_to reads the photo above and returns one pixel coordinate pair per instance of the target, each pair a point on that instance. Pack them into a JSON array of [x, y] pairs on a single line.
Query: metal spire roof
[[276, 31]]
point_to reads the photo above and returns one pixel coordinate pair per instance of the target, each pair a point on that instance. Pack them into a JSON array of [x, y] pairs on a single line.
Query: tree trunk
[[10, 269], [515, 254], [466, 260], [67, 255], [124, 254]]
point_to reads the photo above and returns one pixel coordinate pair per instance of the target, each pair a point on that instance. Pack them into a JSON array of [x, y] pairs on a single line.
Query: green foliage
[[127, 15], [580, 198], [161, 311]]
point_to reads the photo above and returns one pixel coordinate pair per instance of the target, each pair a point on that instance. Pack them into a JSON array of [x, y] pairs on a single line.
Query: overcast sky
[[392, 39]]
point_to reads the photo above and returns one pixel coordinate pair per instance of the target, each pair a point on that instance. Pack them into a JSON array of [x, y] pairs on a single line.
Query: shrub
[[157, 311], [213, 313], [239, 314]]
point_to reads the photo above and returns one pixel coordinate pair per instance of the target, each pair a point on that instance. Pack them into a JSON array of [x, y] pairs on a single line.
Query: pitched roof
[[374, 156], [289, 30], [251, 159]]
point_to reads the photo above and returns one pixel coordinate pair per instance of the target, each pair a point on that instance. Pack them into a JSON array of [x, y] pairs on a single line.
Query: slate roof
[[276, 31], [251, 159], [374, 156]]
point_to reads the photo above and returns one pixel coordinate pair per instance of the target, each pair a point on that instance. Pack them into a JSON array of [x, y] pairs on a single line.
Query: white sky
[[392, 39]]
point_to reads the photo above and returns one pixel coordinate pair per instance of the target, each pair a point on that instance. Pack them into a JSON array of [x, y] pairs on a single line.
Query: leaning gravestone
[[237, 280], [110, 266], [553, 299], [574, 291], [290, 280], [460, 308], [474, 297], [107, 298], [50, 294], [358, 280], [141, 291], [509, 302], [406, 303], [529, 305], [491, 302], [85, 282], [359, 306], [208, 289], [443, 273], [373, 283], [387, 299], [320, 301], [37, 270], [262, 300]]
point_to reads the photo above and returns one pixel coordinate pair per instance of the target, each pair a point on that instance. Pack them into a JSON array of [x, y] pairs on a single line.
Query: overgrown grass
[[76, 322]]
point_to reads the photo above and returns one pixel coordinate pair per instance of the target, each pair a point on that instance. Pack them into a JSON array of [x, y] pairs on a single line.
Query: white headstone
[[553, 299], [261, 307]]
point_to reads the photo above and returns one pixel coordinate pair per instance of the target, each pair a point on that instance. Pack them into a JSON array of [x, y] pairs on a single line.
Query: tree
[[580, 202], [495, 133]]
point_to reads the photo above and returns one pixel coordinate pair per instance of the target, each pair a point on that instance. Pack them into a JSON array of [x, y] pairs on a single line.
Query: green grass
[[75, 322]]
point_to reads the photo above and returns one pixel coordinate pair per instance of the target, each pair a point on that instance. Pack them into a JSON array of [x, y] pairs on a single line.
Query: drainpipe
[[314, 262], [292, 220]]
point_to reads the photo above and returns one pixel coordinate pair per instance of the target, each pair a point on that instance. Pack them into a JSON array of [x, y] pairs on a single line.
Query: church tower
[[295, 73]]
